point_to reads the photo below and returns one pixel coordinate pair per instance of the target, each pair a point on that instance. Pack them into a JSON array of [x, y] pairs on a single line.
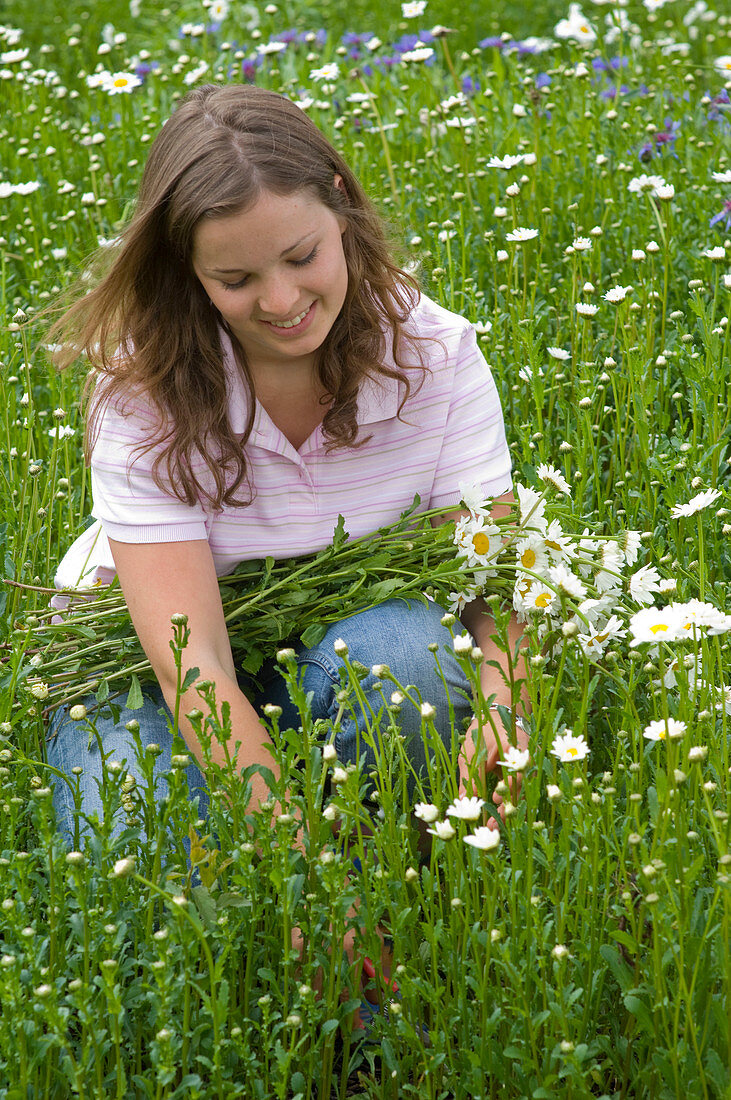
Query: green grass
[[111, 987]]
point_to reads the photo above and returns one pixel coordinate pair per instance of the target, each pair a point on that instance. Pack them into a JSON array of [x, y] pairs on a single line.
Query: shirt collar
[[378, 398]]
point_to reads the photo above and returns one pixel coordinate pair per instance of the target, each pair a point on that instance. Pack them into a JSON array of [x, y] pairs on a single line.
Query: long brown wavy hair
[[147, 327]]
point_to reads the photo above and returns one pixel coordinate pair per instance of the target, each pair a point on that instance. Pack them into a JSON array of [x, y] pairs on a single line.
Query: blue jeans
[[395, 633]]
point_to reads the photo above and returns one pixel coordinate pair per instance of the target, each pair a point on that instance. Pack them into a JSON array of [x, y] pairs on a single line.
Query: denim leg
[[397, 634], [69, 745]]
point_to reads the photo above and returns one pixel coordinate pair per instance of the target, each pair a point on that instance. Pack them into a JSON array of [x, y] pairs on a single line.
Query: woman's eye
[[295, 263], [307, 260]]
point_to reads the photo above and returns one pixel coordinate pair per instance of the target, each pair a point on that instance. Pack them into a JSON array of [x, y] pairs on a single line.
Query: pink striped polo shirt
[[451, 431]]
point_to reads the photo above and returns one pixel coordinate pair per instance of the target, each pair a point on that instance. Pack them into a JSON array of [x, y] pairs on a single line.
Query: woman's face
[[277, 274]]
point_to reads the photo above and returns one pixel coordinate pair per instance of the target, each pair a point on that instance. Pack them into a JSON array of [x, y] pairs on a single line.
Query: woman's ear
[[339, 183]]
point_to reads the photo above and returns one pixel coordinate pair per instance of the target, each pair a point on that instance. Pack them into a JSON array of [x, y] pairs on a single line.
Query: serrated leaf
[[191, 676]]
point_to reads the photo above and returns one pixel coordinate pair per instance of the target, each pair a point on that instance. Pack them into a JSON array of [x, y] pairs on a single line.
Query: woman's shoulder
[[429, 318]]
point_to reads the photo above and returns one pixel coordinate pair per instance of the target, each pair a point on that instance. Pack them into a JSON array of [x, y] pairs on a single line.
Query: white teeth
[[293, 322]]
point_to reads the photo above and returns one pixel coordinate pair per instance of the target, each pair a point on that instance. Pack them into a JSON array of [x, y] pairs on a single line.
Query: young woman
[[262, 367]]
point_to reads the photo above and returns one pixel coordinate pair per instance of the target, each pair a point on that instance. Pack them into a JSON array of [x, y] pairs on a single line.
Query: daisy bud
[[288, 654], [340, 647], [78, 712], [428, 711], [123, 868], [329, 754], [339, 775]]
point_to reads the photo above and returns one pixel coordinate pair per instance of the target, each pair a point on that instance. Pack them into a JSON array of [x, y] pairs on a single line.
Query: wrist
[[508, 716]]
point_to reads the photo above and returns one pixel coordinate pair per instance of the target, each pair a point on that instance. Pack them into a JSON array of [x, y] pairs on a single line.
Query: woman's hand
[[493, 740]]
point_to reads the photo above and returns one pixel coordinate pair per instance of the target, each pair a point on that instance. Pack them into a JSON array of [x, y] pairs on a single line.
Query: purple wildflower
[[543, 80], [470, 86], [493, 43], [248, 68], [724, 215]]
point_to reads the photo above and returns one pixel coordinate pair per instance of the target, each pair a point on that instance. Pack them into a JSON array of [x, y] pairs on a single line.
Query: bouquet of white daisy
[[560, 584]]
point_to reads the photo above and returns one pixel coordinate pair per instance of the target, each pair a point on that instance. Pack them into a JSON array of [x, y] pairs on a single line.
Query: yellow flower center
[[121, 82], [481, 542], [543, 600], [662, 735], [658, 628], [528, 558], [571, 751], [552, 545]]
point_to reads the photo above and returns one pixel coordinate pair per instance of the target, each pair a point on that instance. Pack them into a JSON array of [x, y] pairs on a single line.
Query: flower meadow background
[[563, 178]]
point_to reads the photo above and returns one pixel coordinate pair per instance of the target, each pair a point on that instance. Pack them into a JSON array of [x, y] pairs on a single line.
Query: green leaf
[[191, 676], [205, 905], [329, 1026], [616, 964], [388, 1054], [340, 535], [134, 698], [313, 635]]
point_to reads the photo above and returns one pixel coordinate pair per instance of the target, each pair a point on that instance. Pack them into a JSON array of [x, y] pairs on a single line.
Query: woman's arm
[[159, 580]]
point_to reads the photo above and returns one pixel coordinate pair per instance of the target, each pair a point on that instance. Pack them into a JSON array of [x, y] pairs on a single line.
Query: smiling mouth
[[294, 322]]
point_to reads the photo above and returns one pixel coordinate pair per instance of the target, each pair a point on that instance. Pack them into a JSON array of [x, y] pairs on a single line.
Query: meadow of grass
[[587, 955]]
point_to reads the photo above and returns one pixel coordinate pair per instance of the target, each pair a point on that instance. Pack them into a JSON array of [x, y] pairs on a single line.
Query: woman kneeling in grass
[[262, 367]]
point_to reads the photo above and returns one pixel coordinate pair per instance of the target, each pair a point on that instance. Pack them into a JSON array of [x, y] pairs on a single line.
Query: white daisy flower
[[413, 9], [716, 253], [696, 503], [586, 309], [516, 760], [582, 244], [421, 53], [551, 476], [655, 624], [466, 809], [478, 541], [643, 583], [445, 830], [662, 729], [646, 183], [532, 508], [426, 811], [532, 554], [522, 234], [557, 543], [559, 353], [506, 162], [567, 582], [484, 838], [594, 643], [629, 544], [616, 294], [331, 71], [696, 615], [722, 177], [569, 747]]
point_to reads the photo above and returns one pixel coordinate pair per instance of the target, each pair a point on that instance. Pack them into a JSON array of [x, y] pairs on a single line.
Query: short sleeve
[[127, 501], [474, 448]]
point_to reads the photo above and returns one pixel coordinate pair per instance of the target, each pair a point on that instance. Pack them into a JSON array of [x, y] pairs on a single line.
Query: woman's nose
[[277, 299]]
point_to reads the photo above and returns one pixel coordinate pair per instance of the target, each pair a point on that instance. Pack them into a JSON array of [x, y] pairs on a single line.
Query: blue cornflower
[[724, 215], [492, 43], [543, 80], [470, 86], [248, 68], [406, 42], [350, 38]]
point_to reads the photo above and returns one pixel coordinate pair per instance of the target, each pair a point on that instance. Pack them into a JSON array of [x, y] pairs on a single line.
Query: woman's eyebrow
[[291, 248]]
